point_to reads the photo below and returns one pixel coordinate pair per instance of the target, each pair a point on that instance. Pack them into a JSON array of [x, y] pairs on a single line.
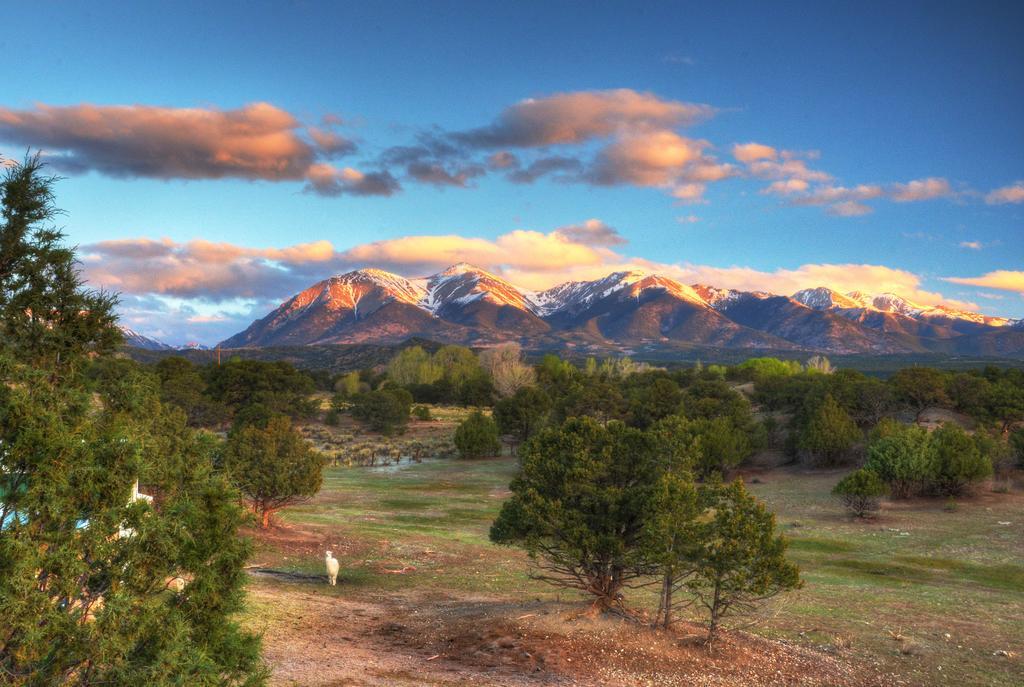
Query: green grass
[[917, 570]]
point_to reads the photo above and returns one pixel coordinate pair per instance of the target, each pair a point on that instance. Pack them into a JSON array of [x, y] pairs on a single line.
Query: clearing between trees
[[920, 595]]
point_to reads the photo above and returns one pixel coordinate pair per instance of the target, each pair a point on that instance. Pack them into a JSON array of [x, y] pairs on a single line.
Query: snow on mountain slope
[[463, 283], [721, 299], [465, 304], [824, 298], [133, 338], [579, 295]]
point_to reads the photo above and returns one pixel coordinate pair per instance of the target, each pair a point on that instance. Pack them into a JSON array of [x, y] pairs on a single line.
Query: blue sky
[[851, 103]]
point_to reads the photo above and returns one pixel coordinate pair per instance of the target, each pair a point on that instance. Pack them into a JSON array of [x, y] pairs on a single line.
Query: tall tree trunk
[[666, 599]]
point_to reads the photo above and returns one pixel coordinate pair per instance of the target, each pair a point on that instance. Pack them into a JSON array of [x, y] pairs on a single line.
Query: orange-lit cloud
[[750, 152], [920, 189], [1004, 280], [1014, 193], [572, 118], [328, 180], [592, 232], [258, 141]]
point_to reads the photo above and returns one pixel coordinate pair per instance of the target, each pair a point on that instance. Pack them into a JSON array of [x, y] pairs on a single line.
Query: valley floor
[[924, 595]]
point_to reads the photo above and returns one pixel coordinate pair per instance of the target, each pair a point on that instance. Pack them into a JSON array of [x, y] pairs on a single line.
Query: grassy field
[[927, 591]]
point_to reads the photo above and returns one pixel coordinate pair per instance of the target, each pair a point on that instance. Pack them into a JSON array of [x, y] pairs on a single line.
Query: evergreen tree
[[900, 456], [385, 410], [273, 467], [87, 573], [921, 388], [670, 540], [47, 318], [522, 413], [739, 560], [580, 503], [956, 461], [477, 436], [829, 434], [861, 492]]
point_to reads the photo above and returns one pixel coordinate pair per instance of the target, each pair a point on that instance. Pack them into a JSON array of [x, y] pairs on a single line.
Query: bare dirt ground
[[442, 639]]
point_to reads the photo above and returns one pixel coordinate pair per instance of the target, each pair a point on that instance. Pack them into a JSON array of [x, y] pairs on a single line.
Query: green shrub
[[861, 492], [422, 413], [385, 411], [477, 436], [829, 434], [956, 461], [900, 456]]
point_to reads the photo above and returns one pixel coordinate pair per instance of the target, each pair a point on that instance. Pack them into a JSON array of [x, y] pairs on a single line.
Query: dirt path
[[321, 636]]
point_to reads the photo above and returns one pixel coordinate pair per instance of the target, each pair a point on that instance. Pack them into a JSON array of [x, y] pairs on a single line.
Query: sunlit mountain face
[[467, 304]]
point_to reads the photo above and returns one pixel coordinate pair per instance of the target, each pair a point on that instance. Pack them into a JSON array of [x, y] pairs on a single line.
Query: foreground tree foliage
[[740, 559], [273, 467], [47, 318], [96, 589], [579, 506], [670, 541]]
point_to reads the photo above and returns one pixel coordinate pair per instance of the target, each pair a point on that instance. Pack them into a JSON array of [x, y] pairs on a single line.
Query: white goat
[[332, 568]]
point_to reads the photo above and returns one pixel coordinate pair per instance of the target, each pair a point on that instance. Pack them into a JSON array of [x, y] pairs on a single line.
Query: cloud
[[689, 194], [849, 208], [840, 277], [1014, 193], [592, 232], [564, 169], [577, 117], [688, 219], [326, 180], [503, 159], [920, 189], [787, 168], [331, 143], [258, 141], [200, 269], [827, 195], [255, 142], [438, 175], [750, 152], [973, 245], [1004, 280], [786, 187]]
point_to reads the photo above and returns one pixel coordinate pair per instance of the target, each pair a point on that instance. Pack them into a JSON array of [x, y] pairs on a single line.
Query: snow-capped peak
[[463, 283], [824, 298]]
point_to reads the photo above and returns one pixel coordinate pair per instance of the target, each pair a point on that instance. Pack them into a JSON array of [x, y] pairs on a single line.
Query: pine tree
[[86, 574], [670, 540], [829, 434], [477, 436], [861, 492], [47, 318], [740, 561], [579, 506], [273, 466]]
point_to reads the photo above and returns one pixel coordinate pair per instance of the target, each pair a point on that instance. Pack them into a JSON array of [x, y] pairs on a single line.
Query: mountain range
[[627, 310]]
